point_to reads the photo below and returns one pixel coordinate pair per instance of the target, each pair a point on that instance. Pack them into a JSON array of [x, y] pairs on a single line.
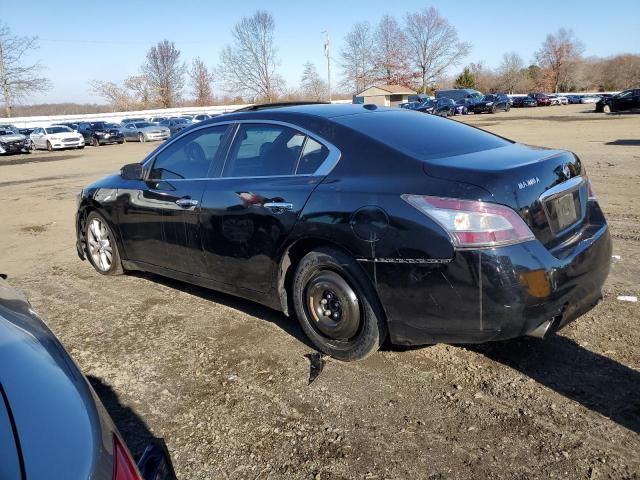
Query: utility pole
[[327, 53]]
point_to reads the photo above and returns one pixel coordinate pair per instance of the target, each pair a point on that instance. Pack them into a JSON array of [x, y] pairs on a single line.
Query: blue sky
[[108, 40]]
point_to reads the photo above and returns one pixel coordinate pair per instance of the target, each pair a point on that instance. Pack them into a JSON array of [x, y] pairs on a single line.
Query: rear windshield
[[421, 135]]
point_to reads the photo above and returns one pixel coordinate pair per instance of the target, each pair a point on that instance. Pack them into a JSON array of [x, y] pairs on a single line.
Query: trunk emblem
[[528, 183]]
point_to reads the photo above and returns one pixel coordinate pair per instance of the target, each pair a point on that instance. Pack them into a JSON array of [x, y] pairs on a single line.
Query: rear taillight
[[473, 224], [123, 466]]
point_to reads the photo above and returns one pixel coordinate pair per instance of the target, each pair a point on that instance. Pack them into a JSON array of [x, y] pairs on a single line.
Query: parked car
[[524, 102], [200, 117], [176, 124], [52, 424], [589, 99], [418, 98], [55, 137], [574, 98], [12, 142], [124, 121], [475, 238], [8, 126], [411, 105], [628, 100], [156, 120], [100, 133], [145, 131], [72, 125], [554, 99], [541, 99], [563, 100], [464, 106], [492, 103], [443, 107], [460, 94]]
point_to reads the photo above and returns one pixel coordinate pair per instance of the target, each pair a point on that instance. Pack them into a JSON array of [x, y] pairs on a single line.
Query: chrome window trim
[[323, 170]]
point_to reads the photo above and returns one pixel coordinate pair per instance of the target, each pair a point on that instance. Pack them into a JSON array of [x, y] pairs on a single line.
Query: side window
[[189, 157], [264, 150], [313, 154]]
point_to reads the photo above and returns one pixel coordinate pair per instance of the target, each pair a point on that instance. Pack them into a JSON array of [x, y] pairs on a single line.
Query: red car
[[542, 99]]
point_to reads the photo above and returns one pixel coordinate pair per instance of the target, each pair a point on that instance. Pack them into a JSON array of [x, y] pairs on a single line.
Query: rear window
[[421, 135]]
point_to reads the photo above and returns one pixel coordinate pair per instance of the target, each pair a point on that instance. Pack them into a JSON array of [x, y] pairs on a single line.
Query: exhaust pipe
[[541, 330]]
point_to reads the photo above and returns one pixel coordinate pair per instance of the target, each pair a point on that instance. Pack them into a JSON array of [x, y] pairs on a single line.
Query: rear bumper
[[493, 294]]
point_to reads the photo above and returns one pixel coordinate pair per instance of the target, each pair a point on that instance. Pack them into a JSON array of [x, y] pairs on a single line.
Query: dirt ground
[[225, 381]]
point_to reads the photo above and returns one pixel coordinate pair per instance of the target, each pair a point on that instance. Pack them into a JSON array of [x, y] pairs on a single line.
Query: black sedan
[[520, 102], [442, 107], [52, 425], [626, 101], [363, 222], [100, 133], [492, 103]]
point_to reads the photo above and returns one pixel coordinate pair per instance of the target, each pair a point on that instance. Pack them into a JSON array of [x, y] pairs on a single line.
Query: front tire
[[49, 146], [102, 249], [336, 305], [606, 109], [95, 142], [141, 138]]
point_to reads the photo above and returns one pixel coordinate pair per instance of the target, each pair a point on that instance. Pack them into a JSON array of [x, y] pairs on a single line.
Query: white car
[[56, 137], [589, 99], [201, 117]]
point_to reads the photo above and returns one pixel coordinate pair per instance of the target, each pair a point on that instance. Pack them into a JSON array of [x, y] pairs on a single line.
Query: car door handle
[[187, 202], [279, 207]]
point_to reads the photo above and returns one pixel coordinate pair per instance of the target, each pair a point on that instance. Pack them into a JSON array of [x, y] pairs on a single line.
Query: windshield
[[182, 120], [6, 132], [143, 124], [99, 125], [51, 130], [489, 98]]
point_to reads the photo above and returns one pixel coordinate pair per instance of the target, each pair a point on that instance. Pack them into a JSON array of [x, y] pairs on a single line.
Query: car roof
[[321, 110]]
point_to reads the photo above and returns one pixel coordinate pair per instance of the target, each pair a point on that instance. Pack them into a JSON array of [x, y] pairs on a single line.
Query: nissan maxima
[[364, 222]]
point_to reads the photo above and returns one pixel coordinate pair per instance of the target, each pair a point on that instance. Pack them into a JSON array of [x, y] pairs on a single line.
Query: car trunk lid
[[546, 187]]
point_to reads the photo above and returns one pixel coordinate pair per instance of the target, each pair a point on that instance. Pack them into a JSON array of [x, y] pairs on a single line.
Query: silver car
[[145, 132]]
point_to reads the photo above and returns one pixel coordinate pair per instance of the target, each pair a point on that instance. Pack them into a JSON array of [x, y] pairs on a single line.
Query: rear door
[[159, 216], [247, 213]]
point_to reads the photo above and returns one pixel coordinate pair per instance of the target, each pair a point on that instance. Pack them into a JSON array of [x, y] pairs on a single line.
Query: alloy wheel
[[100, 247]]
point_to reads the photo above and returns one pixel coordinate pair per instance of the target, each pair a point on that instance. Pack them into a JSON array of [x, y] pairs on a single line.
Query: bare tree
[[117, 96], [165, 73], [558, 56], [311, 85], [18, 80], [248, 65], [201, 81], [357, 59], [391, 53], [139, 91], [434, 44], [511, 71]]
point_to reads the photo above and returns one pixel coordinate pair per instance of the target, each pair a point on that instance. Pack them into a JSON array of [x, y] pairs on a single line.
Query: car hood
[[62, 428], [12, 137]]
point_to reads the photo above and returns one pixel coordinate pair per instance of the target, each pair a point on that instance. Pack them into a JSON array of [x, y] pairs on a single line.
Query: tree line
[[418, 51]]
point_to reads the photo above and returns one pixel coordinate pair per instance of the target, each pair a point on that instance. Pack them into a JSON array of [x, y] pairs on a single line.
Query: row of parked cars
[[462, 101], [76, 135]]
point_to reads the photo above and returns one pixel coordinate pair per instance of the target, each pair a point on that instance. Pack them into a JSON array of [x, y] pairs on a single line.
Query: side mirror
[[132, 171]]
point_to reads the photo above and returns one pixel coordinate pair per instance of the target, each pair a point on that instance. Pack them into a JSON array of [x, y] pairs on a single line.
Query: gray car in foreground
[[144, 132], [52, 424]]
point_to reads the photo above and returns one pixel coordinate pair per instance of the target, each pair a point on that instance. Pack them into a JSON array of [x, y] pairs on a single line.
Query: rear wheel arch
[[289, 261]]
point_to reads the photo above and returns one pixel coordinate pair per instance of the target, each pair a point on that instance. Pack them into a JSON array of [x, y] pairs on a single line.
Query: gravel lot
[[225, 381]]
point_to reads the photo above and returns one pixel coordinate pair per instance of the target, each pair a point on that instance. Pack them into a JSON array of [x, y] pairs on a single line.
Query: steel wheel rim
[[332, 306], [99, 243]]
